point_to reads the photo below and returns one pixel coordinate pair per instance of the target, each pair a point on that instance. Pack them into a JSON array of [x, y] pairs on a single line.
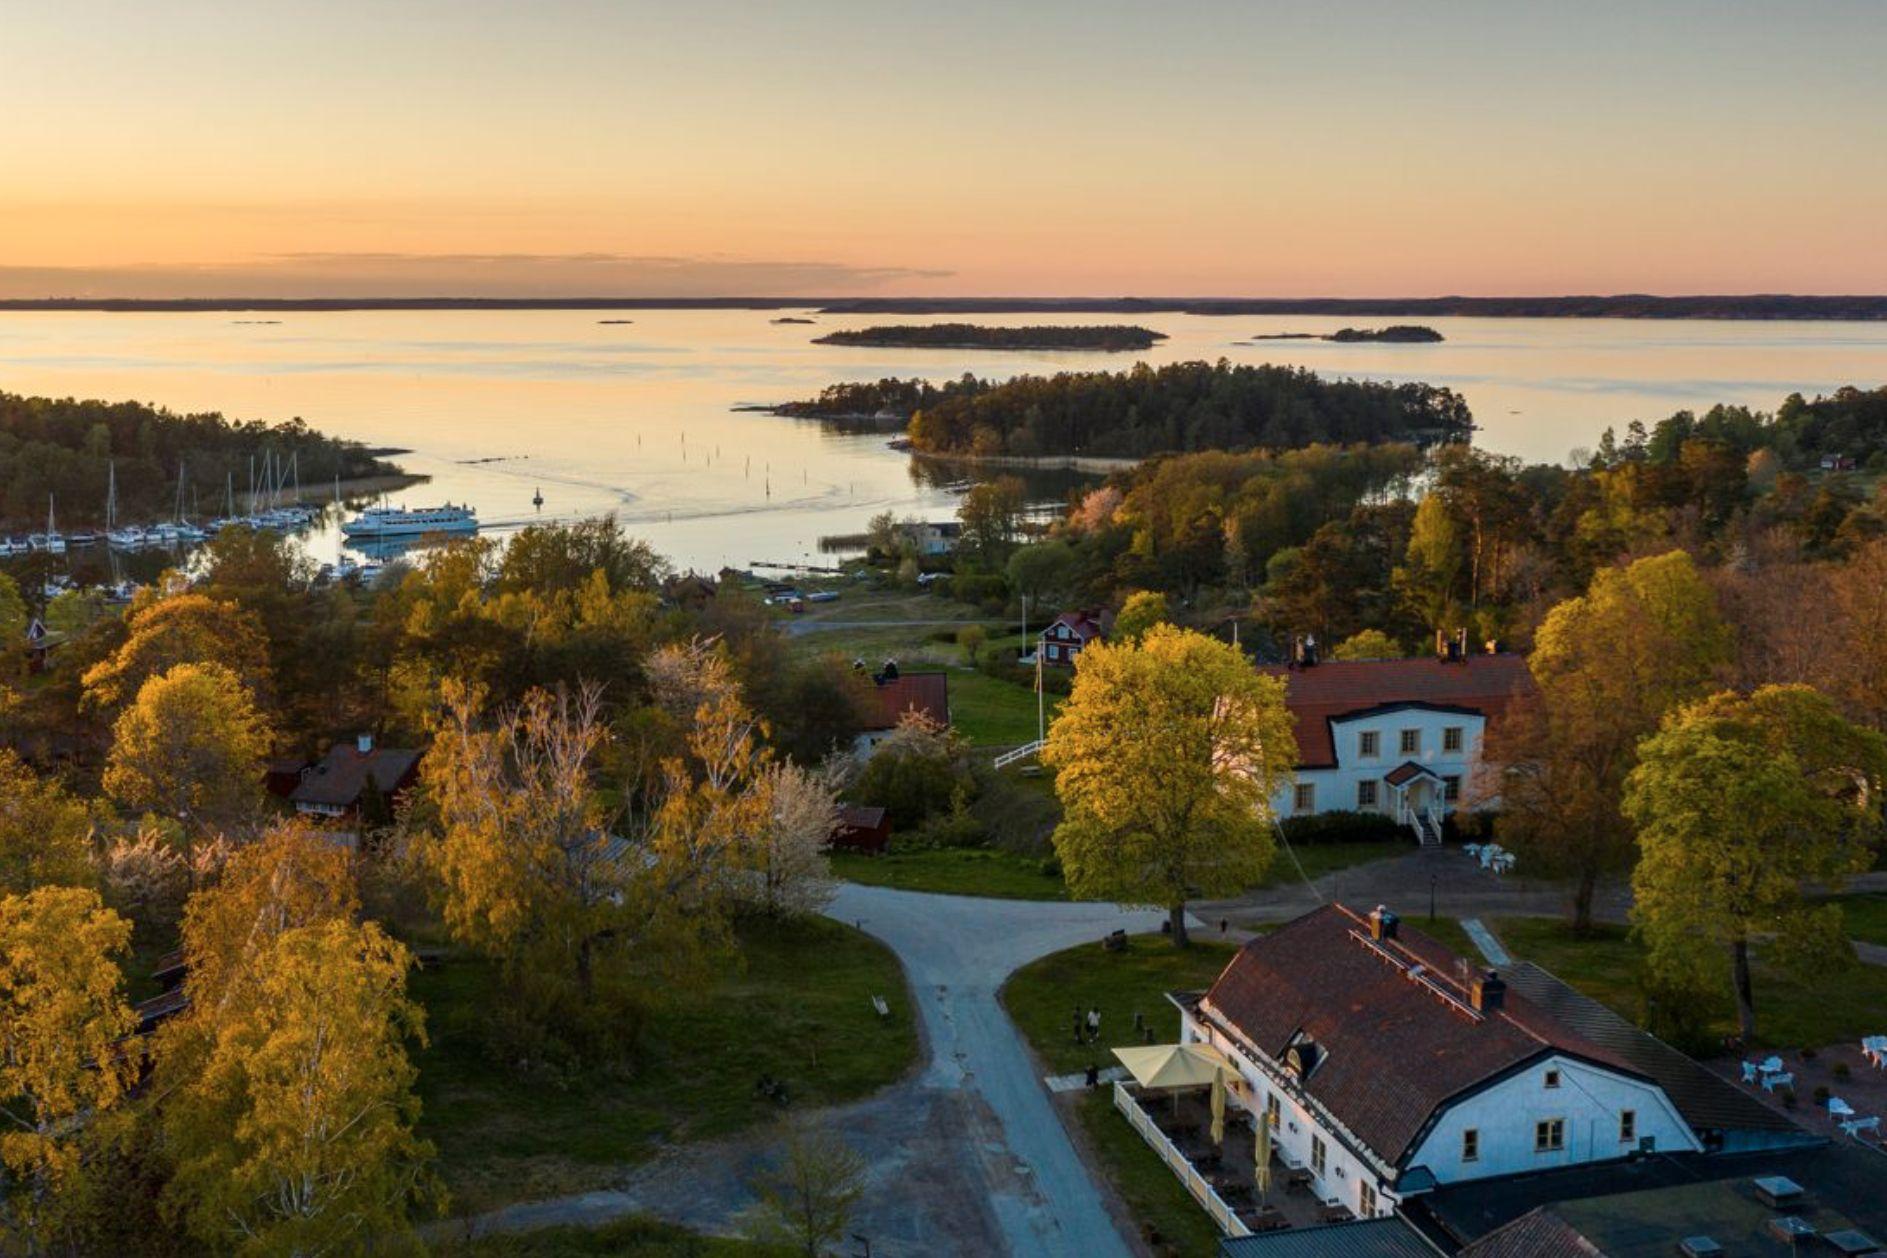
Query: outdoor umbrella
[[1218, 1107], [1173, 1065], [1261, 1145]]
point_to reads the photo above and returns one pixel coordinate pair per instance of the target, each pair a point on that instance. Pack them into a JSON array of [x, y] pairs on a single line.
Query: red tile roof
[[1086, 625], [928, 693], [1317, 695], [1392, 1048], [339, 778]]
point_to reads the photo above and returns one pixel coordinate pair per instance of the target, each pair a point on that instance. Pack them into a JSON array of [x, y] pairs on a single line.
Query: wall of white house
[[1344, 1174], [1336, 789], [1589, 1100]]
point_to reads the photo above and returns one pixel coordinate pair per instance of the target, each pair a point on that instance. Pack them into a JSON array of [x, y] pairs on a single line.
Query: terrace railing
[[1196, 1184]]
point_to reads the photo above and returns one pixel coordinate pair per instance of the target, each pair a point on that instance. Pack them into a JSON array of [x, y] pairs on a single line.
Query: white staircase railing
[[1023, 752]]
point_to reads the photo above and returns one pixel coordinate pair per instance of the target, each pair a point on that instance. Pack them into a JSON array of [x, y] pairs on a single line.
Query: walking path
[[968, 1157], [1484, 940]]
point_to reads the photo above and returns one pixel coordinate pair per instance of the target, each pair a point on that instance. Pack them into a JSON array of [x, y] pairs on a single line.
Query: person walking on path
[[1094, 1025]]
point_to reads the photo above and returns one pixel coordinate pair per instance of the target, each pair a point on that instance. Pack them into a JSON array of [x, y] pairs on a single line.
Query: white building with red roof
[[1400, 737]]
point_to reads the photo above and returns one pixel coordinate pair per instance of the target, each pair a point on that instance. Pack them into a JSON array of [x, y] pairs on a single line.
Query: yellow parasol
[[1261, 1154], [1174, 1065]]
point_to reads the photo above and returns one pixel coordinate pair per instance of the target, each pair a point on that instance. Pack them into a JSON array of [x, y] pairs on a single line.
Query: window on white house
[[1451, 738], [1627, 1126], [1549, 1135], [1272, 1115], [1552, 1078], [1366, 1200], [1451, 789], [1411, 742], [1318, 1156], [1366, 794], [1471, 1145], [1304, 798], [1369, 744]]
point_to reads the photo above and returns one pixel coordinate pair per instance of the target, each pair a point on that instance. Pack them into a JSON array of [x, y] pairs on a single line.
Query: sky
[[830, 148]]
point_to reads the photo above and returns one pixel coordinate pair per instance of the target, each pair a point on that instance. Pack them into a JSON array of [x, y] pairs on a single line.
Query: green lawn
[[1041, 999], [1319, 859], [1042, 996], [984, 871], [800, 1010], [1152, 1193], [1446, 930], [1833, 1006], [633, 1237], [991, 712], [1866, 917]]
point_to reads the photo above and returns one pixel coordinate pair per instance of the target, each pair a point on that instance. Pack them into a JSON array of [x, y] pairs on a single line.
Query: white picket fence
[[1196, 1184]]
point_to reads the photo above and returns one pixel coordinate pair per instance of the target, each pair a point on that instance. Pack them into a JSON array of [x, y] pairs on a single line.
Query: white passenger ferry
[[400, 522]]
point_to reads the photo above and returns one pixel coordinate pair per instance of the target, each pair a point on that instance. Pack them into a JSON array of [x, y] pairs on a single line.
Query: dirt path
[[968, 1157]]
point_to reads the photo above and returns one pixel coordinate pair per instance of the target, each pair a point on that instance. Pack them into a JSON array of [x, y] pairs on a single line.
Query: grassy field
[[633, 1237], [1041, 999], [991, 712], [980, 871], [1867, 917], [1042, 996], [800, 1010], [1791, 1012], [1319, 859]]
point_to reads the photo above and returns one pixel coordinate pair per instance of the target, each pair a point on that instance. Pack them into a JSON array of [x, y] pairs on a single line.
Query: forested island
[[1149, 410], [70, 449], [1401, 333], [1107, 337]]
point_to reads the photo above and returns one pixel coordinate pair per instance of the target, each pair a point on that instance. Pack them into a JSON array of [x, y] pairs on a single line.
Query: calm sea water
[[637, 418]]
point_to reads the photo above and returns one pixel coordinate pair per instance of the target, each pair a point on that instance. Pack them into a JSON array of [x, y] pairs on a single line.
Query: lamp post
[[1431, 897]]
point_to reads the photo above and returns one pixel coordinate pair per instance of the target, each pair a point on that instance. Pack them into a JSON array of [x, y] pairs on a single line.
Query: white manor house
[[1397, 736]]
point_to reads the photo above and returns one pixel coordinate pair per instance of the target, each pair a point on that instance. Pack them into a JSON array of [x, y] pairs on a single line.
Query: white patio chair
[[1783, 1080], [1856, 1126], [1771, 1066], [1749, 1073], [1839, 1109], [1472, 849]]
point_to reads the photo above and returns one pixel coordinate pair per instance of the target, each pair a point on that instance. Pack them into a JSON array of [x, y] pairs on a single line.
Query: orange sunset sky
[[205, 148]]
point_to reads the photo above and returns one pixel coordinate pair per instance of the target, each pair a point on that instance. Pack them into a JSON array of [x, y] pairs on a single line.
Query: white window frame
[[1409, 741], [1471, 1144], [1303, 799], [1549, 1135], [1453, 738], [1368, 786], [1369, 744]]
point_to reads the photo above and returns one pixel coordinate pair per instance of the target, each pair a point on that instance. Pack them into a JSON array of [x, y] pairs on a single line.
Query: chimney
[[1488, 993], [363, 743], [1493, 646], [1461, 644], [1310, 650], [1382, 924]]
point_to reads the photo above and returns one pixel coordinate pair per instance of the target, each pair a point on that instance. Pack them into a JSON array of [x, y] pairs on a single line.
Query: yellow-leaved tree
[[1741, 802], [45, 834], [1166, 758], [63, 1072], [181, 629], [1607, 665], [286, 1089], [190, 746]]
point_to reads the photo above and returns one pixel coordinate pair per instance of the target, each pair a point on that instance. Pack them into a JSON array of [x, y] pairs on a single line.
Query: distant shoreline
[[1744, 307]]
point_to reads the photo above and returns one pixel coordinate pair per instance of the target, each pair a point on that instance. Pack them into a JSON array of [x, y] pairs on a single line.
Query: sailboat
[[52, 541], [130, 538]]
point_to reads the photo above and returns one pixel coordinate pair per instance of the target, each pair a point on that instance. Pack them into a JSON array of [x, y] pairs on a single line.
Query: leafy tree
[[791, 875], [915, 772], [1048, 572], [62, 1073], [293, 1130], [1166, 758], [182, 629], [13, 623], [970, 639], [1740, 802], [191, 747], [806, 1201], [1608, 665], [546, 559], [1142, 610], [45, 834], [1369, 644], [1432, 576], [991, 513], [74, 611]]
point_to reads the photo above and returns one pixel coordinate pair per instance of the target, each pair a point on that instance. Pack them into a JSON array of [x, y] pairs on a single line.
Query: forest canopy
[[1152, 410], [67, 447]]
